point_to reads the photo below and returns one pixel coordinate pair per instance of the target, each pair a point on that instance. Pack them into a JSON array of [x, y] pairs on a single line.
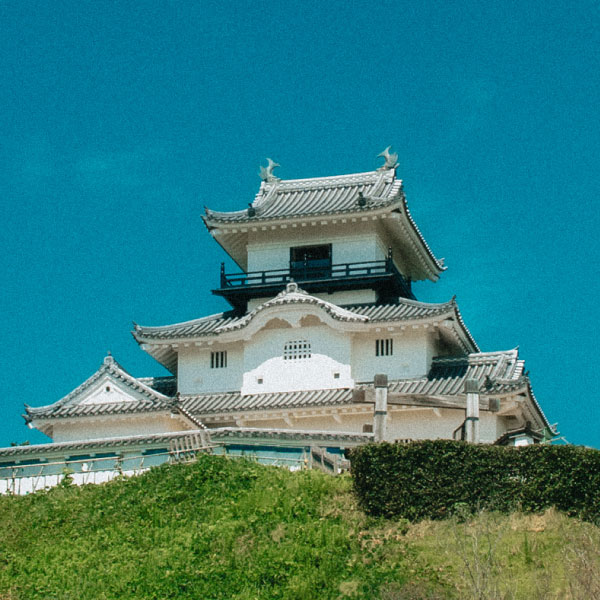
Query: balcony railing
[[317, 276], [308, 271]]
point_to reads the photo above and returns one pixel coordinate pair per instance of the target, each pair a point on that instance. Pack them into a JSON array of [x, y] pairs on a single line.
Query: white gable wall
[[107, 391]]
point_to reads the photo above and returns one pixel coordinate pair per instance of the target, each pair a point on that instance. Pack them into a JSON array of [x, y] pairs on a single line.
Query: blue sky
[[121, 120]]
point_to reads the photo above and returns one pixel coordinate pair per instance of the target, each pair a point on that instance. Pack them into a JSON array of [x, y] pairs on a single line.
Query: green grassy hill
[[222, 528]]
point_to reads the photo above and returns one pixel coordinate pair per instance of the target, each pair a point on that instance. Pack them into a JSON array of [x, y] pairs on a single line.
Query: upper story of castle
[[350, 238]]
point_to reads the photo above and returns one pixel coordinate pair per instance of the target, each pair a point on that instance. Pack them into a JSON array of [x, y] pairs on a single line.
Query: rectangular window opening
[[297, 349], [218, 360], [310, 262], [384, 347]]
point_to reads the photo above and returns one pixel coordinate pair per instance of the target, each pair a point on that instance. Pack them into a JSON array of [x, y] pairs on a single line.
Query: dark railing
[[460, 433], [308, 271]]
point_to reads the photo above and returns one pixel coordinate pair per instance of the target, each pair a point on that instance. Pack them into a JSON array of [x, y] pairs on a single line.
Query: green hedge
[[430, 479]]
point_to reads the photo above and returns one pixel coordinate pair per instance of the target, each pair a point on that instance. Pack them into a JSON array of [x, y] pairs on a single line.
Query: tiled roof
[[206, 404], [107, 408], [512, 433], [404, 310], [288, 434], [88, 445], [147, 399], [317, 196], [188, 329], [163, 439], [447, 376], [498, 373], [379, 192]]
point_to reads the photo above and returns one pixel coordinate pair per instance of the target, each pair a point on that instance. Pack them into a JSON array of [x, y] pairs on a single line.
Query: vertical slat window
[[218, 360], [384, 347]]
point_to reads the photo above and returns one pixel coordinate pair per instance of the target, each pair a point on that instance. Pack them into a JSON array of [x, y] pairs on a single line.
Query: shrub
[[429, 479]]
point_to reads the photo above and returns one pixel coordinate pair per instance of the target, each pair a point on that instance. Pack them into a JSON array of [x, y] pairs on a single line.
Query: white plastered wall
[[425, 423], [89, 428], [338, 359], [266, 370], [413, 350], [195, 375], [347, 247], [403, 423]]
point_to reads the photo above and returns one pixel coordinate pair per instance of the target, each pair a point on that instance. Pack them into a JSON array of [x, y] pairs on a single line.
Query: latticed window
[[218, 360], [384, 347], [296, 349]]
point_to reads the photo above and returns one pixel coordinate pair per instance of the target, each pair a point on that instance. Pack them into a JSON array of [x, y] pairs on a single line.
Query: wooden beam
[[361, 396]]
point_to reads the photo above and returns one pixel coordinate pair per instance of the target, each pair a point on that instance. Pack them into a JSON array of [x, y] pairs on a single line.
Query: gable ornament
[[391, 159], [266, 173]]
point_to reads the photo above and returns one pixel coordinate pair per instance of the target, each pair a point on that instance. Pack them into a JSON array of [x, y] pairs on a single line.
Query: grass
[[232, 529]]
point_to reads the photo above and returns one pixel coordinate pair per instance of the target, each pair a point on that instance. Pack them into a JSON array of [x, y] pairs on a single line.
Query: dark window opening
[[296, 349], [218, 360], [310, 262], [384, 347]]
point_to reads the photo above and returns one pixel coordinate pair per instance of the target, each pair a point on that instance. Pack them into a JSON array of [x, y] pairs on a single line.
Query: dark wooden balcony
[[316, 276]]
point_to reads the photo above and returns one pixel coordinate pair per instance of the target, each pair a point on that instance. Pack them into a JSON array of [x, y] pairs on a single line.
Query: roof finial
[[391, 160], [266, 173], [108, 359]]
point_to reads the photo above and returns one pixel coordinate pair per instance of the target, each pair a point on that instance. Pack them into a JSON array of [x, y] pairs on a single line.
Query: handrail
[[330, 463], [120, 464], [306, 272], [461, 428]]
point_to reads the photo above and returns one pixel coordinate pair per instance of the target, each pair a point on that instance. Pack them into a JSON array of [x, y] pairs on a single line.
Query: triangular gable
[[107, 390], [110, 384]]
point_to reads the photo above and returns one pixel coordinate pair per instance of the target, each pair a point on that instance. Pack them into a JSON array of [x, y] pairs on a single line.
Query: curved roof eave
[[463, 327], [437, 265], [214, 325], [537, 406]]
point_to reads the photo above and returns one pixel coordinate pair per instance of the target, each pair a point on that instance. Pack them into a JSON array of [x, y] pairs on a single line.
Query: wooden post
[[380, 414], [472, 420], [389, 260]]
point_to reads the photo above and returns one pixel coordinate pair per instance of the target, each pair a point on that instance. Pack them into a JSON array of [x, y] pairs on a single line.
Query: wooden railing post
[[389, 261]]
